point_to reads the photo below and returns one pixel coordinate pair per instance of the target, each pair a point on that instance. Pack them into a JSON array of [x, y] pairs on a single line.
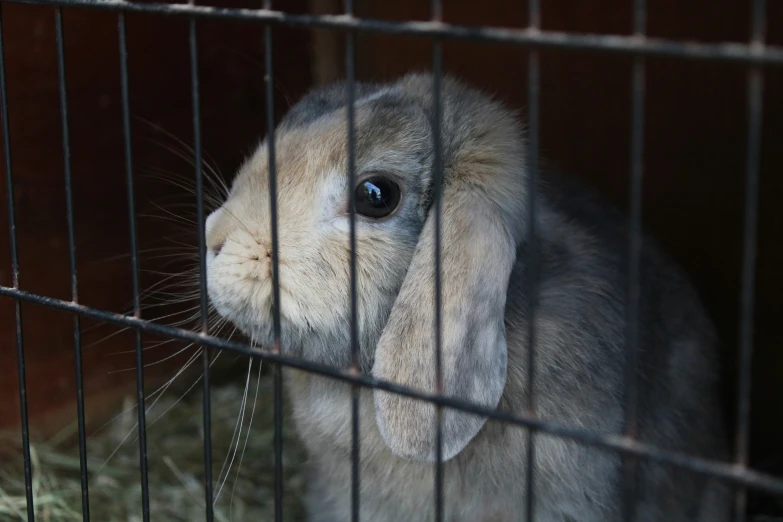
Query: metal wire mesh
[[755, 55]]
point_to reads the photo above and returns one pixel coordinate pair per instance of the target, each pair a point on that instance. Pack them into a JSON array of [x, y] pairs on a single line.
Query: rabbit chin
[[248, 306], [255, 321]]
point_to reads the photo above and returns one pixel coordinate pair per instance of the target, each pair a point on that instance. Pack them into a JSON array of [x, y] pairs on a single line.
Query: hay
[[176, 469], [175, 457]]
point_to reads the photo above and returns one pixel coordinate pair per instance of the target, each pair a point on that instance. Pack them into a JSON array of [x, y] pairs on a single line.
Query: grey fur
[[580, 324]]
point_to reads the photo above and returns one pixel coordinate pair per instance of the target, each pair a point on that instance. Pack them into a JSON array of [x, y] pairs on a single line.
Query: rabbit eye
[[377, 197]]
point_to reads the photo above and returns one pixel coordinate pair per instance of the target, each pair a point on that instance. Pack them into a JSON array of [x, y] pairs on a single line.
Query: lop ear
[[480, 228]]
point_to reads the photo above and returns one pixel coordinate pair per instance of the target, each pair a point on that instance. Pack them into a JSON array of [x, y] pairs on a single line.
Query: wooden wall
[[695, 145]]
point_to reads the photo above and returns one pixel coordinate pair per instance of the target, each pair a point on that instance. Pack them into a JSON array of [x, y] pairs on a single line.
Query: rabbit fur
[[580, 318]]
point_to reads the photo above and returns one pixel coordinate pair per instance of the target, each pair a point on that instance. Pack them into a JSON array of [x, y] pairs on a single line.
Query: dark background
[[694, 157]]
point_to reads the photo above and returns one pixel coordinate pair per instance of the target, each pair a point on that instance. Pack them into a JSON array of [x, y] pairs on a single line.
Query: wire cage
[[755, 56]]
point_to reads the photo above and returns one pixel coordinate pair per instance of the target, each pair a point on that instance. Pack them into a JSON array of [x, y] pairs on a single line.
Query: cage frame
[[755, 55]]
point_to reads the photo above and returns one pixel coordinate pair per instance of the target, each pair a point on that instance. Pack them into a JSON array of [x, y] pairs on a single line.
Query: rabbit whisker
[[237, 432], [162, 390], [247, 436], [154, 363]]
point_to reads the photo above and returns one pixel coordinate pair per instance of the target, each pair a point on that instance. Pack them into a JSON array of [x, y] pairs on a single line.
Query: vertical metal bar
[[755, 82], [350, 67], [534, 14], [140, 400], [437, 66], [634, 260], [58, 23], [277, 369], [205, 351], [9, 180]]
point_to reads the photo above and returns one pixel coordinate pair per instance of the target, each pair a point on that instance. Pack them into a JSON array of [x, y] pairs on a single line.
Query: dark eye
[[377, 197]]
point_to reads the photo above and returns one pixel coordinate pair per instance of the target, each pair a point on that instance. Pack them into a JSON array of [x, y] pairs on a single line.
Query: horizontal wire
[[612, 43], [730, 472]]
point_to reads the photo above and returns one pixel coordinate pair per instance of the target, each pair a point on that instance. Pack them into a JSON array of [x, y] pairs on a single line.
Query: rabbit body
[[580, 332], [579, 376]]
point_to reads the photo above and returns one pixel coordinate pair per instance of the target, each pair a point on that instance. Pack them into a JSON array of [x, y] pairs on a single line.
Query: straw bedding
[[176, 463]]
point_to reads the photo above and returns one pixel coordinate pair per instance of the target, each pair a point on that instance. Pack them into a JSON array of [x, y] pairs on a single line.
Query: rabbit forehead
[[389, 132], [308, 157]]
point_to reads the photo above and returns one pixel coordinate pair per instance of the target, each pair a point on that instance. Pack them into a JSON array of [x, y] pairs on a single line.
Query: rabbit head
[[482, 216]]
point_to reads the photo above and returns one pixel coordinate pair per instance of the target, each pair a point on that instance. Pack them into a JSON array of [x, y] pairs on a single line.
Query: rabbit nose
[[216, 242], [217, 246], [264, 251]]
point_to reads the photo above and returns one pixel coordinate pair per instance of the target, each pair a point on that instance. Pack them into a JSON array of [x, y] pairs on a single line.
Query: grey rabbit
[[580, 322]]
